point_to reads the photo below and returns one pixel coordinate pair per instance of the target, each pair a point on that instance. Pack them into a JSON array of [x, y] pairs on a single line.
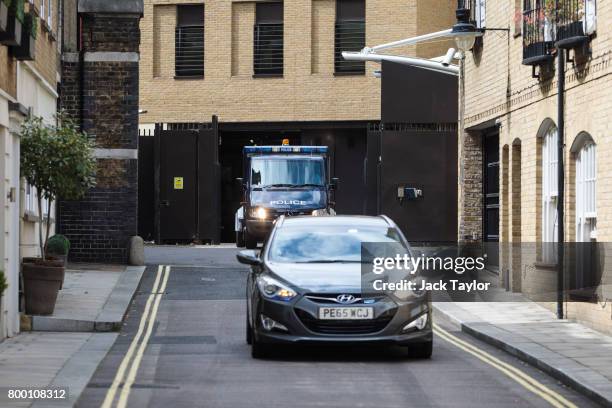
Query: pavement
[[188, 349], [64, 350], [570, 352], [94, 299]]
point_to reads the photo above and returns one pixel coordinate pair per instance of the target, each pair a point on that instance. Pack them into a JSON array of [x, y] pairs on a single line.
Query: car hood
[[320, 278]]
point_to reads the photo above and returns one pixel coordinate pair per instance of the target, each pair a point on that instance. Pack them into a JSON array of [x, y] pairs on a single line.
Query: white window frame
[[30, 199], [50, 15], [480, 13], [42, 9], [586, 192], [550, 193], [590, 16]]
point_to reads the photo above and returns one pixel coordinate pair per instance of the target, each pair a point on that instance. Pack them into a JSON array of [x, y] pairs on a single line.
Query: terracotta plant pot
[[42, 281], [52, 258]]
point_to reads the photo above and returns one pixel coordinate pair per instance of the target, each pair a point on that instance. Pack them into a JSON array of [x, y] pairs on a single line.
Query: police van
[[281, 180]]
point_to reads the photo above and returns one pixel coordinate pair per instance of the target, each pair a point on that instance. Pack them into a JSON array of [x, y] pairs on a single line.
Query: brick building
[[28, 85], [508, 146], [100, 90], [271, 70]]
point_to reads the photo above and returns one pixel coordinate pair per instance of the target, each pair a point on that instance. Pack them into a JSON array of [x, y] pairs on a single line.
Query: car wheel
[[259, 350], [420, 350], [239, 239], [249, 241], [249, 331]]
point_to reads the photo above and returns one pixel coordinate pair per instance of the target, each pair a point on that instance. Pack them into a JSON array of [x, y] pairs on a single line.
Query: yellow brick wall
[[499, 87], [8, 69], [308, 90], [46, 62]]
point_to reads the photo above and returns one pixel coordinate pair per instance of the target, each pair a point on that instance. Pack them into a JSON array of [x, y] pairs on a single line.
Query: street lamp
[[464, 32]]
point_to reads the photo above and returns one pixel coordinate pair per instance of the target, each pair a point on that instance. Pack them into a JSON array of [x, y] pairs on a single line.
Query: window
[[480, 13], [30, 199], [550, 163], [586, 176], [189, 41], [50, 15], [268, 36], [350, 35], [42, 9]]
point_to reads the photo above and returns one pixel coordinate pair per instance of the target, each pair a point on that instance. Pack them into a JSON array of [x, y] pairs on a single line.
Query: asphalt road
[[195, 355]]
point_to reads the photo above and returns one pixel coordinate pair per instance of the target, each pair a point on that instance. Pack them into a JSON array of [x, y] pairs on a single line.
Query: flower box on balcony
[[27, 49], [574, 19], [11, 35], [538, 35]]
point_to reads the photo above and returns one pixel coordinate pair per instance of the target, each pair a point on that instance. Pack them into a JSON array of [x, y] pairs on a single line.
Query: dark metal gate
[[184, 205]]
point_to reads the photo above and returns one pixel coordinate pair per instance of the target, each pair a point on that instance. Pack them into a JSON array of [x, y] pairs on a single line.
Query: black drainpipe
[[561, 176]]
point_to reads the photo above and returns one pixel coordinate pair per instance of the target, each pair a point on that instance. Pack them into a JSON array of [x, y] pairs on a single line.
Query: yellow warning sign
[[178, 183]]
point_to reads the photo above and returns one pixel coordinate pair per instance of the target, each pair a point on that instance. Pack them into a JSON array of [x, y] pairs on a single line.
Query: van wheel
[[249, 241], [239, 239], [420, 350]]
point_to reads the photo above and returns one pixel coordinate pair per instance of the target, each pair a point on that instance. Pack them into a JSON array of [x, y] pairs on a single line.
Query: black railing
[[350, 36], [538, 33], [189, 51], [268, 49], [571, 19]]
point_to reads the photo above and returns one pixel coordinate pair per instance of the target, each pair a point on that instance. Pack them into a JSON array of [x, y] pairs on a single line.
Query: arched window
[[550, 193], [586, 178]]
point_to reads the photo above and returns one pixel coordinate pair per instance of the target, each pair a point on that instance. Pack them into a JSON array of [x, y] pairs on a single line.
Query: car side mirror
[[249, 257]]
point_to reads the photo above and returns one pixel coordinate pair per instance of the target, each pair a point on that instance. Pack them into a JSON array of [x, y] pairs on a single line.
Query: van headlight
[[320, 213], [259, 213], [273, 289]]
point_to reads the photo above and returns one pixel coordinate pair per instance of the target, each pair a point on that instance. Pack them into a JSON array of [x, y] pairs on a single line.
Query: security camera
[[448, 58]]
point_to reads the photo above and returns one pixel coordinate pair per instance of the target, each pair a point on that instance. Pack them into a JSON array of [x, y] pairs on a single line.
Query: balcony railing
[[189, 51], [350, 36], [268, 49], [538, 34], [573, 18]]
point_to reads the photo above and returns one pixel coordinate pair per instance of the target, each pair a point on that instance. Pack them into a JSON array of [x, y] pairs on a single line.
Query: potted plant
[[15, 18], [58, 247], [27, 49], [58, 161]]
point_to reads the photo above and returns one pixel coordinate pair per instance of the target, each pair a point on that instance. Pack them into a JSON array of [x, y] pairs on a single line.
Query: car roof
[[337, 220]]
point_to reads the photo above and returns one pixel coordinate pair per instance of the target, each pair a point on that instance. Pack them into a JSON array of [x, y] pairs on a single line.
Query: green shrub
[[31, 24], [17, 7], [3, 284], [58, 245]]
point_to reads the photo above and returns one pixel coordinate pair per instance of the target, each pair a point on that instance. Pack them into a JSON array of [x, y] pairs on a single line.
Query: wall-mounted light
[[464, 32]]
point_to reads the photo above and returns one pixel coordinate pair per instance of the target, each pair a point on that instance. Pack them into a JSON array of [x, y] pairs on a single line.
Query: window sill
[[29, 216], [268, 75], [342, 74], [189, 78], [546, 265]]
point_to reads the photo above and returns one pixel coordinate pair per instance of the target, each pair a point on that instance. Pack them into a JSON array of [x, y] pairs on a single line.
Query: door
[[177, 153], [491, 198], [208, 183]]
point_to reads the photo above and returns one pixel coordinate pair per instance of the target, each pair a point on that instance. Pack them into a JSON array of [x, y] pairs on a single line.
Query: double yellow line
[[137, 347], [530, 383]]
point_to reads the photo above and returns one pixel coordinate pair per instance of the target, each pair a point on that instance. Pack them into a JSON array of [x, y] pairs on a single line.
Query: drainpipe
[[560, 176]]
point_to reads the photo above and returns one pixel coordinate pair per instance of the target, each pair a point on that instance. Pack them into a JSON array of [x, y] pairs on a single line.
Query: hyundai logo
[[346, 299]]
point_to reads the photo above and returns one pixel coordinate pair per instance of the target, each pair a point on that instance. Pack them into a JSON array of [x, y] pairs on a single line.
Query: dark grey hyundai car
[[305, 286]]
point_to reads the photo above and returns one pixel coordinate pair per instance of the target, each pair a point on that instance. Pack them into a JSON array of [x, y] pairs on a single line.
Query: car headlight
[[260, 213], [273, 289], [320, 213], [419, 323], [408, 294]]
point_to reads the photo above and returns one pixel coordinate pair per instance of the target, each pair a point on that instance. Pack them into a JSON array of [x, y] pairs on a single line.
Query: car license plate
[[346, 313]]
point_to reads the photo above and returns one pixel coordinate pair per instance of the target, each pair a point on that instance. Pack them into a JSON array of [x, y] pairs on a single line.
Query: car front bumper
[[299, 318]]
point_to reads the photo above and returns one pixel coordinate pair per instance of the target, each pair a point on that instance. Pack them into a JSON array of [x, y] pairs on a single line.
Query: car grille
[[332, 298], [345, 327]]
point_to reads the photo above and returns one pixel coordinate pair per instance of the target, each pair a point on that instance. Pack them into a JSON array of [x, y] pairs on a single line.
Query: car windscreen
[[287, 171], [331, 244]]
